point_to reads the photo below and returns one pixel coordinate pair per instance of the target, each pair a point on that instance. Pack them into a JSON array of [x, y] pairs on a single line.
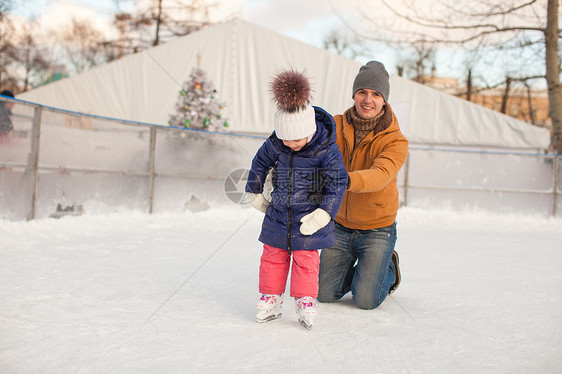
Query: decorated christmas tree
[[198, 106]]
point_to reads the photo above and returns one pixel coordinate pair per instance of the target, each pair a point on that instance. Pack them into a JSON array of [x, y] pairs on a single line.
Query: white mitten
[[314, 221], [258, 201]]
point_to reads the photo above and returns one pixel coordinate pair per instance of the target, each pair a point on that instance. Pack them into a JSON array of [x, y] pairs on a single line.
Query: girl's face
[[295, 145], [368, 103]]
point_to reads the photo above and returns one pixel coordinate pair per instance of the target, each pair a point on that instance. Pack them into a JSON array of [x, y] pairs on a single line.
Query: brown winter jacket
[[372, 198]]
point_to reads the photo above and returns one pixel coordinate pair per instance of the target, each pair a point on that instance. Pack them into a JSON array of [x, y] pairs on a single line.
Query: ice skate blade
[[268, 318], [305, 324]]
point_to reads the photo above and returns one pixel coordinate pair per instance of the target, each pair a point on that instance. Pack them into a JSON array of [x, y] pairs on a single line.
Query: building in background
[[526, 104], [56, 72]]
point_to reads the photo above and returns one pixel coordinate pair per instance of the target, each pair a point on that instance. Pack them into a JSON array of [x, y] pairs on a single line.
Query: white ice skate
[[306, 309], [269, 307]]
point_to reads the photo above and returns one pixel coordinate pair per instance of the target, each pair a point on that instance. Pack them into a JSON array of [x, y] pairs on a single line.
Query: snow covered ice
[[176, 293]]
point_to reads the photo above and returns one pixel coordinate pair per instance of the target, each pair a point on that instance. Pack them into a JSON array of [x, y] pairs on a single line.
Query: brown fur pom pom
[[291, 90]]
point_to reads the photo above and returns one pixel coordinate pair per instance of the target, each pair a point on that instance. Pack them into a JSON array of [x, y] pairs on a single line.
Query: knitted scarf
[[364, 126]]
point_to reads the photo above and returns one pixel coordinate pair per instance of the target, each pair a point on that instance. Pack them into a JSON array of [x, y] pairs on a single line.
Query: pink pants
[[274, 269]]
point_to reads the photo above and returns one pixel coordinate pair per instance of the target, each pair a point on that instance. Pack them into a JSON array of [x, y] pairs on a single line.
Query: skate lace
[[269, 299], [306, 302]]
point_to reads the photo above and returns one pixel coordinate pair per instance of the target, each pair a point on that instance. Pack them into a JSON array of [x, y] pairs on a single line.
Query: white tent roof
[[241, 59]]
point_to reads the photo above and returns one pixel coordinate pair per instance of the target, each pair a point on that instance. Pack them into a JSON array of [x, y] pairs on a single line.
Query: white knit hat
[[295, 118], [294, 126]]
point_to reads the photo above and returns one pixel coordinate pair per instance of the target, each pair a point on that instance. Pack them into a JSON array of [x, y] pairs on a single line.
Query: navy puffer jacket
[[314, 177]]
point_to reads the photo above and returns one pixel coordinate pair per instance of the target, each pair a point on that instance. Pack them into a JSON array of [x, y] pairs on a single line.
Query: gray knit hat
[[373, 76]]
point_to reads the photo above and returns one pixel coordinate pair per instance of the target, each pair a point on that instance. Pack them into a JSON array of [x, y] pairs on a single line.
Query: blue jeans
[[360, 262]]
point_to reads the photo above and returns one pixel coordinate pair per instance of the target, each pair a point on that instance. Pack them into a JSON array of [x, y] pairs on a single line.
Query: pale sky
[[306, 20]]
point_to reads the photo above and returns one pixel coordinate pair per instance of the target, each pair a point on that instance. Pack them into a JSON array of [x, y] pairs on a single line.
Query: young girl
[[309, 180]]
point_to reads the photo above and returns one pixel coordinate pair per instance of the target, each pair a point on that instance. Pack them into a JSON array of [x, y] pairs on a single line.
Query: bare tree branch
[[520, 33]]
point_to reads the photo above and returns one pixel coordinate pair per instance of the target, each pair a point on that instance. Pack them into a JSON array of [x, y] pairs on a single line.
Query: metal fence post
[[151, 169], [555, 165], [406, 172], [32, 163]]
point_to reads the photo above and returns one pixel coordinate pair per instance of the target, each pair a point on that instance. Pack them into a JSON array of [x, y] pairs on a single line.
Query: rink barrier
[[411, 185], [554, 189]]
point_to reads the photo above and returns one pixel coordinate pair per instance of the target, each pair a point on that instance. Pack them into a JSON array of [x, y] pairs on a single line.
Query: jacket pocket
[[364, 207], [375, 202]]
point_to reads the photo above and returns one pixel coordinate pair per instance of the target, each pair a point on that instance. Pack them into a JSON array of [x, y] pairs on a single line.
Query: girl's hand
[[314, 221]]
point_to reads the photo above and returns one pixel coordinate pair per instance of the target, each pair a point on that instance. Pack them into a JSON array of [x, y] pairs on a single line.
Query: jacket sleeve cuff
[[355, 182]]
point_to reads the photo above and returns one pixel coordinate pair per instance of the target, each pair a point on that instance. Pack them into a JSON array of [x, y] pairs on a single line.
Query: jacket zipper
[[351, 157], [347, 199], [289, 190]]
